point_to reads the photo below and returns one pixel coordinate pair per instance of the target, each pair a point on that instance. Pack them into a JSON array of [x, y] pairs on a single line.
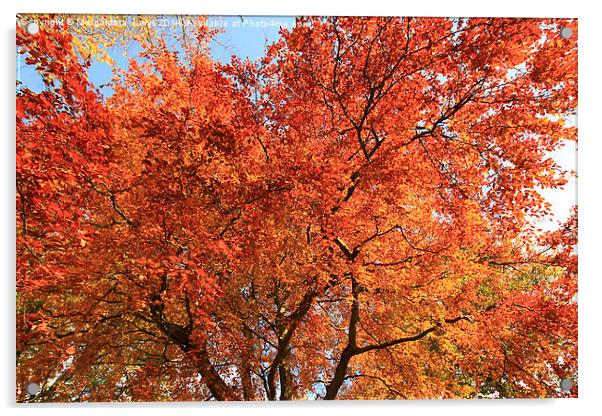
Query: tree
[[354, 216]]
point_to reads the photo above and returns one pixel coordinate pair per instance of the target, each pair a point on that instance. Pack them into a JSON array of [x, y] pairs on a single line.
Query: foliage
[[354, 216]]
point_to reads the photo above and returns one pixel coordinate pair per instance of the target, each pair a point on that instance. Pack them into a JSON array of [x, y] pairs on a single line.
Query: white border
[[515, 8], [590, 204]]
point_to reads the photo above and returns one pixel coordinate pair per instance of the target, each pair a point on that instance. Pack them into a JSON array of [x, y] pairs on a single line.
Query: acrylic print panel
[[279, 208]]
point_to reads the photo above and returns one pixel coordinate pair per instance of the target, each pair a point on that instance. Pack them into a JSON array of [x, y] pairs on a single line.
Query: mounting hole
[[32, 28], [566, 384], [566, 32], [32, 389]]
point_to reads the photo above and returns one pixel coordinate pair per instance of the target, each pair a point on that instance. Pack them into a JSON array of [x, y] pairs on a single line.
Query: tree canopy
[[353, 216]]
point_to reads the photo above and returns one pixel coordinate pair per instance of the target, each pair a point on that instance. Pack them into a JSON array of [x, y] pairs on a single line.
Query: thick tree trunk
[[286, 378], [350, 349], [219, 389], [283, 351], [248, 393], [339, 375]]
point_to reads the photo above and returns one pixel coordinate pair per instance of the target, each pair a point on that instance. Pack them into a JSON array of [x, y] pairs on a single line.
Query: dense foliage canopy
[[353, 216]]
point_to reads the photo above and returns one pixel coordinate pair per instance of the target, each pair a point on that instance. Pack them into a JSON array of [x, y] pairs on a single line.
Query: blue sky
[[246, 36], [243, 36]]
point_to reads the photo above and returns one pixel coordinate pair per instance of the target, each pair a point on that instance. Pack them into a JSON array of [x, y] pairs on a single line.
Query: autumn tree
[[353, 216]]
